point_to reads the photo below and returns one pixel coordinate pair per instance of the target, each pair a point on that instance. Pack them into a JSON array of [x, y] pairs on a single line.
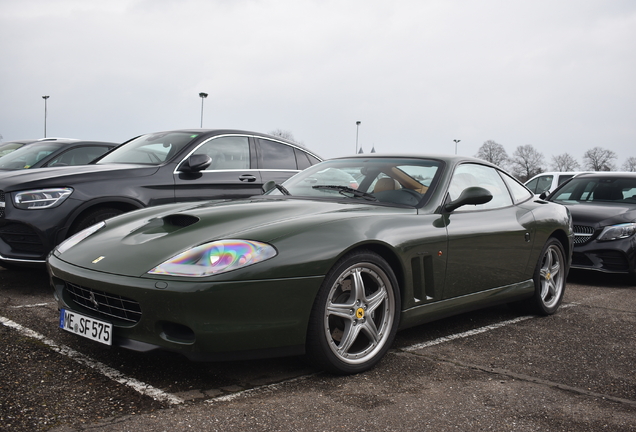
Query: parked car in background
[[331, 263], [603, 207], [549, 181], [52, 152], [41, 207]]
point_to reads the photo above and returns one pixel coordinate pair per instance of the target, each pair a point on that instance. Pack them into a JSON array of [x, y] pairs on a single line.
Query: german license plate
[[88, 327]]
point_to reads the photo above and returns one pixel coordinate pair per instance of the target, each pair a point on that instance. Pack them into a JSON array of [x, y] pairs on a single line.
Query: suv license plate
[[88, 327]]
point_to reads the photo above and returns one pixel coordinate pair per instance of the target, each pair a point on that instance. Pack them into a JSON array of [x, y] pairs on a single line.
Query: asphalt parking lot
[[491, 370]]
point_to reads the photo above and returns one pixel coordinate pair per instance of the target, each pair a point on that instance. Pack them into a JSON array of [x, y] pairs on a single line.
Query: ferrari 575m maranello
[[331, 263]]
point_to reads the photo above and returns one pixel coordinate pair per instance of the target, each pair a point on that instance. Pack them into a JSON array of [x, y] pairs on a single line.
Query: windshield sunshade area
[[597, 190], [25, 157], [151, 149], [392, 180]]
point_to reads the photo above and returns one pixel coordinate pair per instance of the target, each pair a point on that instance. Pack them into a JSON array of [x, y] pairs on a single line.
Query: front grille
[[104, 304], [582, 234], [21, 238], [2, 204]]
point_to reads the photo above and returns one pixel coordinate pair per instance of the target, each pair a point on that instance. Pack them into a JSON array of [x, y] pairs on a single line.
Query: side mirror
[[268, 186], [196, 163], [469, 196], [544, 194]]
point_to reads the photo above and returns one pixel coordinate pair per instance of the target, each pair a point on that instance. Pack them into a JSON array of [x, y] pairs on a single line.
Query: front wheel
[[549, 279], [355, 315]]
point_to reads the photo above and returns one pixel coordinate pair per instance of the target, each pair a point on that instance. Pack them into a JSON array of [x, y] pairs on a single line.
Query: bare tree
[[565, 162], [630, 164], [285, 134], [493, 152], [526, 162], [599, 159]]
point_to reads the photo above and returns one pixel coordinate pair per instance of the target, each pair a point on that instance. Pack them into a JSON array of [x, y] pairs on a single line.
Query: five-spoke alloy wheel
[[549, 278], [355, 316]]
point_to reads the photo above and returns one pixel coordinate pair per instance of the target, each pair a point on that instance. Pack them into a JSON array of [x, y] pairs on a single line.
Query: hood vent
[[180, 220]]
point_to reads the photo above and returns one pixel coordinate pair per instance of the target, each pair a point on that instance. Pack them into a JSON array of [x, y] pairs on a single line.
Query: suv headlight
[[41, 198], [616, 232]]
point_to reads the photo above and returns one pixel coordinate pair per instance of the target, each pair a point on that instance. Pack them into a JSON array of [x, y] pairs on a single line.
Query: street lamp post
[[45, 109], [357, 129], [202, 96], [456, 141]]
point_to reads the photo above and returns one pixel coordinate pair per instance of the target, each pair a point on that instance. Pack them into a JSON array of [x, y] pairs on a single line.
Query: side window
[[468, 175], [79, 156], [229, 152], [564, 177], [302, 159], [275, 155], [532, 185], [519, 193], [544, 184]]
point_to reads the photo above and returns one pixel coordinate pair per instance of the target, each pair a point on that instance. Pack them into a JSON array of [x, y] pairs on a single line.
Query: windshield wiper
[[344, 190]]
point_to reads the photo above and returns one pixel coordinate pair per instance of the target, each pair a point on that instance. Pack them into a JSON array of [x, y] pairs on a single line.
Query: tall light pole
[[456, 141], [45, 109], [202, 96], [357, 129]]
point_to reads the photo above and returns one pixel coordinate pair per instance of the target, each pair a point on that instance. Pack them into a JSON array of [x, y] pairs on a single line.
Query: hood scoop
[[159, 227], [180, 220]]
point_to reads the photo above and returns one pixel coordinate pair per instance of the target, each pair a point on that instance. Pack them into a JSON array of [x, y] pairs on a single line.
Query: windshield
[[7, 148], [151, 149], [390, 180], [27, 156], [597, 190]]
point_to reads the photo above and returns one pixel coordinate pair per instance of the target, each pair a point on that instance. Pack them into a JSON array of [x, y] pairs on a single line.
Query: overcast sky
[[557, 74]]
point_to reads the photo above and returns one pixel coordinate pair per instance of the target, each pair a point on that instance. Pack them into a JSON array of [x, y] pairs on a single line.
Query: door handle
[[247, 178]]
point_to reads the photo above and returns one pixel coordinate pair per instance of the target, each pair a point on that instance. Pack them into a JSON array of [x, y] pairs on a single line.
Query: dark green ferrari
[[329, 264]]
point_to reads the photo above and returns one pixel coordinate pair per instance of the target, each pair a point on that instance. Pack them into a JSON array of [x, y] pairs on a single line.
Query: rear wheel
[[94, 217], [355, 315], [549, 279]]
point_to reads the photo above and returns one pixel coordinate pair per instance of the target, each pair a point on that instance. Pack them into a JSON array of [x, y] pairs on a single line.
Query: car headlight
[[216, 257], [75, 239], [41, 198], [616, 232]]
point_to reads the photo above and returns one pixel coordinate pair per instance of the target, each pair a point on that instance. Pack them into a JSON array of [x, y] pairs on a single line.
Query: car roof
[[557, 173], [608, 174], [215, 132]]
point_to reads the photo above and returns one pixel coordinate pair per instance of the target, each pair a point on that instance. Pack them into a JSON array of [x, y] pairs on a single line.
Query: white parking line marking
[[109, 372], [267, 387], [31, 305], [473, 332], [465, 334]]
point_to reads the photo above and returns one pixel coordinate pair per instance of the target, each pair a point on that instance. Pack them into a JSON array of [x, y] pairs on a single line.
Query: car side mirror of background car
[[196, 163], [268, 186], [473, 195]]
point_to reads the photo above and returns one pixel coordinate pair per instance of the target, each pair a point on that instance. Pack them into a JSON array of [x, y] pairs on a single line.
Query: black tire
[[94, 217], [550, 275], [358, 305]]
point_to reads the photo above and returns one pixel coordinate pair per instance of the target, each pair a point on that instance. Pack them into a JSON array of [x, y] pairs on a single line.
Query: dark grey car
[[603, 208], [39, 208]]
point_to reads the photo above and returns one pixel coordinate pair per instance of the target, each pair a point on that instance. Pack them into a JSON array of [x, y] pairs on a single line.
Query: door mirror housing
[[196, 163], [268, 186], [470, 196]]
